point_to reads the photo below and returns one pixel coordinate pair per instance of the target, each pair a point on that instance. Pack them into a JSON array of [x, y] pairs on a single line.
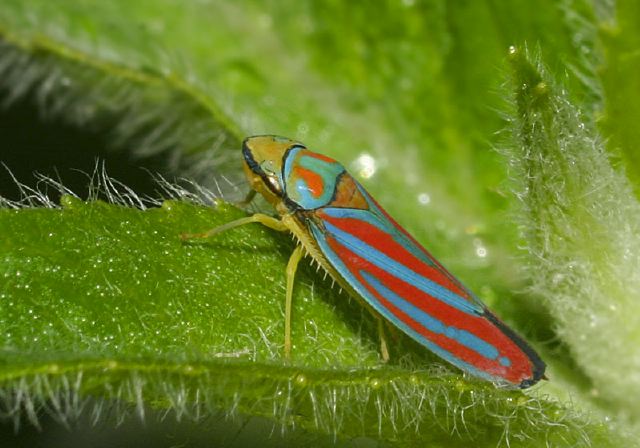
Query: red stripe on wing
[[416, 243], [386, 244], [520, 368], [316, 155]]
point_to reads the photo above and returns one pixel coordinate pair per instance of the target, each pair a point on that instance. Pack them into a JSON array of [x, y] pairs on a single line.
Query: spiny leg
[[384, 350], [269, 221], [291, 273]]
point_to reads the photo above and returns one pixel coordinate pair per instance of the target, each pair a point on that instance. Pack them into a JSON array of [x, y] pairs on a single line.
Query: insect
[[372, 257]]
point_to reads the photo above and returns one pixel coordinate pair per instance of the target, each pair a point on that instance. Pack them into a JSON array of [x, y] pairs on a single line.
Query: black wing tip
[[525, 384], [538, 366]]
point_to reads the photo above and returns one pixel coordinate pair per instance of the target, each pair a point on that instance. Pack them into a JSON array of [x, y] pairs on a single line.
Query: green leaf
[[104, 300], [621, 84], [581, 222]]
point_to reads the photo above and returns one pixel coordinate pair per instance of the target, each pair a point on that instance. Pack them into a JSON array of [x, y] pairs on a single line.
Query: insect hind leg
[[384, 348], [292, 266]]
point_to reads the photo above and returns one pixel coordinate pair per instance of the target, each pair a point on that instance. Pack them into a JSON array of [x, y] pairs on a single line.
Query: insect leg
[[291, 273], [269, 221], [384, 350], [247, 200]]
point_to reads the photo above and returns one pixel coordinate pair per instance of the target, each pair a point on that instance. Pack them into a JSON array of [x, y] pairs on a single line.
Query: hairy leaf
[[104, 300]]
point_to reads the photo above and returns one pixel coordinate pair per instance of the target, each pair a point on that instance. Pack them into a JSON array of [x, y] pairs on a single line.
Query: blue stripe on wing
[[411, 245], [434, 325], [463, 337], [378, 220], [399, 270]]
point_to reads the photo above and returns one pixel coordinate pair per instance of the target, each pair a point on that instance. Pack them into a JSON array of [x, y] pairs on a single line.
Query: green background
[[501, 134]]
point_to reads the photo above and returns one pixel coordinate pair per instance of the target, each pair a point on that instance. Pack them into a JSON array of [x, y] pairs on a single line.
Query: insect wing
[[398, 278]]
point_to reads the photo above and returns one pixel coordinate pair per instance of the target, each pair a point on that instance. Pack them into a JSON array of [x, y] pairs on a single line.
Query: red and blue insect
[[349, 234]]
